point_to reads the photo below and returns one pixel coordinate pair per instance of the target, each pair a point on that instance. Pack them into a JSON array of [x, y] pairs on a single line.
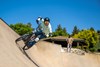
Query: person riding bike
[[43, 30]]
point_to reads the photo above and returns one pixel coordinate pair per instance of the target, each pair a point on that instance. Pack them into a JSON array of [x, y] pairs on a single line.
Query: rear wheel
[[23, 37]]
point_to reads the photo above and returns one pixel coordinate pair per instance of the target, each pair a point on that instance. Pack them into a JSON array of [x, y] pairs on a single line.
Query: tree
[[98, 31], [98, 44], [59, 28], [60, 31], [65, 32], [75, 31], [90, 36], [21, 28], [29, 24], [92, 29]]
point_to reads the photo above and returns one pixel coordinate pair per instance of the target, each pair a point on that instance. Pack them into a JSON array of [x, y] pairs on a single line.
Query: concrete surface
[[10, 55], [42, 54]]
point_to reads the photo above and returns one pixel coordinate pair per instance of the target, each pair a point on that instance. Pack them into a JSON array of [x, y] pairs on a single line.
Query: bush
[[98, 50], [92, 49]]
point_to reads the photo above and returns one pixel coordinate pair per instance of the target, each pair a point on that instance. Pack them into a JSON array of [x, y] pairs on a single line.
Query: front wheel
[[25, 47], [18, 39]]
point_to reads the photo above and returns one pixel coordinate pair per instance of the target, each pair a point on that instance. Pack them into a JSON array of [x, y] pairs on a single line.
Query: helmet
[[46, 19]]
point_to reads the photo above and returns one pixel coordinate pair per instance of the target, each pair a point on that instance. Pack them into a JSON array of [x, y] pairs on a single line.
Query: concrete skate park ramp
[[10, 55], [42, 54]]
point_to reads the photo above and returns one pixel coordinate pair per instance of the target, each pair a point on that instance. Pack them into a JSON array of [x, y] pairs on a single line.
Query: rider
[[43, 30]]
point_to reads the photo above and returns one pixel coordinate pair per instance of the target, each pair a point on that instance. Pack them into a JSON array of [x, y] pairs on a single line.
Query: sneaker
[[62, 50]]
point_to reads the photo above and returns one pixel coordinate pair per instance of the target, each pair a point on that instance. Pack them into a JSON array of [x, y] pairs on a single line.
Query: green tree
[[21, 28], [29, 24], [92, 29], [60, 31], [90, 36], [98, 31], [65, 32], [98, 44], [75, 31], [59, 28]]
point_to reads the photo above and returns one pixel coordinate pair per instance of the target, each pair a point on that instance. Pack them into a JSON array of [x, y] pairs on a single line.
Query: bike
[[27, 37]]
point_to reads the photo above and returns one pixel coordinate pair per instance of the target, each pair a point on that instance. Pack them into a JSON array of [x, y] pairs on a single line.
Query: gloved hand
[[50, 34], [38, 19], [47, 35]]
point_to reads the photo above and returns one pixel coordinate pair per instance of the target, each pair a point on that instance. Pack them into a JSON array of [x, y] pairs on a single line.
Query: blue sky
[[82, 13]]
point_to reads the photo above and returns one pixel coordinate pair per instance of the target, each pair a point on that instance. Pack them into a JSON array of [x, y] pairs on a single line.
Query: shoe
[[62, 50]]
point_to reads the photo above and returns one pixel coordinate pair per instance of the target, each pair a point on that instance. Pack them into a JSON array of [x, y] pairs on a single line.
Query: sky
[[69, 13]]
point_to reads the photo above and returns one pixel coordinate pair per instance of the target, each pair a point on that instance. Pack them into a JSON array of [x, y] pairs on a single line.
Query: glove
[[37, 21], [47, 35]]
